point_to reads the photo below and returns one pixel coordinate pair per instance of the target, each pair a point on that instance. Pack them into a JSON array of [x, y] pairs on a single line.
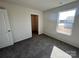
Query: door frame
[[40, 19], [31, 23]]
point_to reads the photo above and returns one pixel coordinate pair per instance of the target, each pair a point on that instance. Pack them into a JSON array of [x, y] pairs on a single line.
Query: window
[[65, 22]]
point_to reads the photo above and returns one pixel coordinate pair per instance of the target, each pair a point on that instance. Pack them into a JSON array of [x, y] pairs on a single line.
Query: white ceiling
[[41, 5]]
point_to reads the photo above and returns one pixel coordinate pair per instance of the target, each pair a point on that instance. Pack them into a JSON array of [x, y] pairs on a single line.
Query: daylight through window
[[65, 22]]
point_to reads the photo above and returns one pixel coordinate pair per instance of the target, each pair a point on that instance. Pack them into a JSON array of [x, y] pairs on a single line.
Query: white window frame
[[62, 32]]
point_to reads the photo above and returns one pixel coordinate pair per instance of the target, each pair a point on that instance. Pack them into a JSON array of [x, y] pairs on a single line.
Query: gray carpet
[[39, 46]]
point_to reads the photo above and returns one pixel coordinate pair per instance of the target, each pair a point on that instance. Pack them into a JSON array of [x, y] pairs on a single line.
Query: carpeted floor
[[39, 46]]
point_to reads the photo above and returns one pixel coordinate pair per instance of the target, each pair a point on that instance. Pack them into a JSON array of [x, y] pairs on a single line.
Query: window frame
[[59, 21]]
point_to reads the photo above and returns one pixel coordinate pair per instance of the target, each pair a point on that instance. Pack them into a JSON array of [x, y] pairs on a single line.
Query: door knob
[[8, 30]]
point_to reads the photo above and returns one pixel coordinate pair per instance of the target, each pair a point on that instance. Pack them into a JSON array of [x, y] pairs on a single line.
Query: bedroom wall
[[50, 24], [20, 20]]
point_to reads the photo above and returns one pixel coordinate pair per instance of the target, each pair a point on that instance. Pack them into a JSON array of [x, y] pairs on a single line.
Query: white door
[[5, 30]]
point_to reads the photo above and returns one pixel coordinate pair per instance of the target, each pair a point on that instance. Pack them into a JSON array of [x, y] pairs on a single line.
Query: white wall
[[50, 23], [20, 20]]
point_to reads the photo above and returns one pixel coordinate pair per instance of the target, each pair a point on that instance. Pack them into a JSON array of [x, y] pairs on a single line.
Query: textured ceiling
[[41, 5]]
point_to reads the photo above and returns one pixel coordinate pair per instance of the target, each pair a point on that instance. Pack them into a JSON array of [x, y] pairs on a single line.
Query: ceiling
[[41, 5]]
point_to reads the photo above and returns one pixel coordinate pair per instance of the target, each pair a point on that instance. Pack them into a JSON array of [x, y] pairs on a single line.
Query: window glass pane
[[65, 22]]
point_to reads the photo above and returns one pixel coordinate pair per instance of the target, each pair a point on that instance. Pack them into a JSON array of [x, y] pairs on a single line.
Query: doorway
[[34, 19]]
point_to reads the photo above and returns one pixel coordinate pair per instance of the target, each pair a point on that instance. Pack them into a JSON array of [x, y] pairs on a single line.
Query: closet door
[[5, 30]]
